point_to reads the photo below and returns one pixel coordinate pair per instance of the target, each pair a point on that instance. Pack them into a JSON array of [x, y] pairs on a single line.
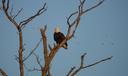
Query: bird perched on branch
[[59, 37]]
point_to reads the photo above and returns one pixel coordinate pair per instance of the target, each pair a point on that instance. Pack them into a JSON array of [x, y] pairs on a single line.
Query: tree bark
[[21, 54]]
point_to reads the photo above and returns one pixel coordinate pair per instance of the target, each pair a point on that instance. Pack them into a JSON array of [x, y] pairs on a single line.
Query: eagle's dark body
[[59, 37]]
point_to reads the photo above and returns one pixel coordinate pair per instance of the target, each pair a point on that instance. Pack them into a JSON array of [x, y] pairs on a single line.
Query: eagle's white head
[[57, 29]]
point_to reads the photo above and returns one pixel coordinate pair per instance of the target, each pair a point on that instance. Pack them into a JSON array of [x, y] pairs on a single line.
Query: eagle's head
[[57, 29]]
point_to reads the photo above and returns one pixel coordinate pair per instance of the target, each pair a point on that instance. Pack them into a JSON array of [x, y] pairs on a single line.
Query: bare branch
[[74, 24], [43, 33], [18, 13], [96, 5], [45, 51], [21, 54], [32, 69], [83, 67], [82, 59], [71, 70], [68, 19], [7, 5], [3, 72], [38, 61], [37, 45], [16, 58], [98, 62], [5, 9], [39, 12], [24, 22], [11, 13]]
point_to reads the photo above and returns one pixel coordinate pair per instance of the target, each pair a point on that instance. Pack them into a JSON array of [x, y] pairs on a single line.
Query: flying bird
[[59, 37]]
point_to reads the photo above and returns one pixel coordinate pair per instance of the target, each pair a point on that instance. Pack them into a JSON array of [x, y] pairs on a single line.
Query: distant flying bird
[[59, 37]]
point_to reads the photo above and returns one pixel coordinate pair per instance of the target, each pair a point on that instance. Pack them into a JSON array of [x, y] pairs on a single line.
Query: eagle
[[59, 37]]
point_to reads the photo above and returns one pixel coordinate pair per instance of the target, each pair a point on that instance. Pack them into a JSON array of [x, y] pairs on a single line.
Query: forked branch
[[81, 11], [38, 13], [45, 51], [74, 71], [5, 9]]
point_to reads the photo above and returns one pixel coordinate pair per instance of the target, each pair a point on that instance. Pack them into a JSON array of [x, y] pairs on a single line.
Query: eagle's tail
[[65, 46]]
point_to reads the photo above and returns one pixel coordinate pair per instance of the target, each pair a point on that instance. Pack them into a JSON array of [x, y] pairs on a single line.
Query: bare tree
[[72, 27], [19, 27], [48, 51]]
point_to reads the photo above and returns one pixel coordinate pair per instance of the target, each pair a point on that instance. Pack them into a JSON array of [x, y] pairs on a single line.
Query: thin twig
[[11, 12], [37, 45], [93, 7], [18, 13], [98, 62], [38, 61], [71, 70]]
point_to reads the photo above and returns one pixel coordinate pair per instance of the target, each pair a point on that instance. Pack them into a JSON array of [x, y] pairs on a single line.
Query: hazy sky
[[103, 32]]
